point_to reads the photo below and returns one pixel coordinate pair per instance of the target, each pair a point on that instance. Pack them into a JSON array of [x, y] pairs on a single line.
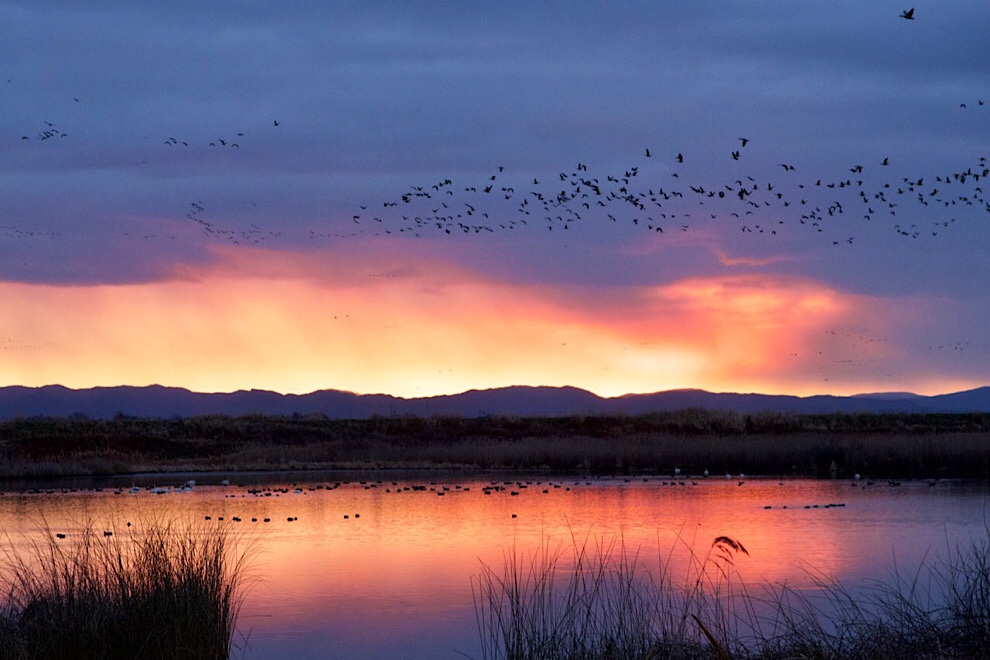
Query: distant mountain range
[[156, 401]]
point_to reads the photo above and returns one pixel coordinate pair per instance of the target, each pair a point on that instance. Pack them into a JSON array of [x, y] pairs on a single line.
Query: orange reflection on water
[[413, 539], [365, 569]]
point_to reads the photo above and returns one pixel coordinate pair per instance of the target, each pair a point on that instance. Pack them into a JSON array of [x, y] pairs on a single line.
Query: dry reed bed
[[160, 590], [881, 446], [602, 602]]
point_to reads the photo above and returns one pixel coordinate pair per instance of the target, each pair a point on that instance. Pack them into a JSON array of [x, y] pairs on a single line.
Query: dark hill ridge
[[156, 401]]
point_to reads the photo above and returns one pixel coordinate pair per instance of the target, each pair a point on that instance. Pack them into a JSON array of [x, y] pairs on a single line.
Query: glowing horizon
[[293, 323]]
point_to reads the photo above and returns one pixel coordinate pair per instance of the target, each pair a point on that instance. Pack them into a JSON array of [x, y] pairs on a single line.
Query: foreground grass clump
[[162, 591], [603, 603]]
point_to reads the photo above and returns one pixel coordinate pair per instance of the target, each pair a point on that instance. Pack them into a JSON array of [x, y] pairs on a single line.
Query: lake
[[381, 565]]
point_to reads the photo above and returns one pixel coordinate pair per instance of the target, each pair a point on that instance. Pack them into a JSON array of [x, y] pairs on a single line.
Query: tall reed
[[602, 602], [161, 590]]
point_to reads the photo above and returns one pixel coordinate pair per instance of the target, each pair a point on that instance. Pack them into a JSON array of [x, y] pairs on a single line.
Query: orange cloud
[[413, 326]]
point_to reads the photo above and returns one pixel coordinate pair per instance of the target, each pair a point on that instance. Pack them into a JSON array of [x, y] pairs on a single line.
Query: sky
[[422, 198]]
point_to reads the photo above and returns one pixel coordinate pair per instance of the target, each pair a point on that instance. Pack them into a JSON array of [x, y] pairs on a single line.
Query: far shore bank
[[691, 441]]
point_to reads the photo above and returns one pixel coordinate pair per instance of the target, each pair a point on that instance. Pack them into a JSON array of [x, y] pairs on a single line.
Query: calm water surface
[[382, 566]]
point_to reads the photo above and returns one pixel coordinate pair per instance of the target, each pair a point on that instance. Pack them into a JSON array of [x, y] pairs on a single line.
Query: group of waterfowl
[[660, 192], [210, 228], [510, 488], [656, 196], [651, 193]]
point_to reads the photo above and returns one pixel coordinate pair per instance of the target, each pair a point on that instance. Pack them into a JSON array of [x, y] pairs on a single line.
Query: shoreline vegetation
[[167, 590], [157, 590], [771, 444], [600, 600]]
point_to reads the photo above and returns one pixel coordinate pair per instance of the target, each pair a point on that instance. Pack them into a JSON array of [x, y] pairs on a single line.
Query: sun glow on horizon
[[299, 323]]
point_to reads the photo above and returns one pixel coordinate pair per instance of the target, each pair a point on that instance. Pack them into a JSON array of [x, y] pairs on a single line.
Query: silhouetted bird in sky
[[909, 14]]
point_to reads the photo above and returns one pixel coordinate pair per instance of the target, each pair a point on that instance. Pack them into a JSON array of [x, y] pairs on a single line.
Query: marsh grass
[[875, 445], [601, 601], [941, 609], [163, 590]]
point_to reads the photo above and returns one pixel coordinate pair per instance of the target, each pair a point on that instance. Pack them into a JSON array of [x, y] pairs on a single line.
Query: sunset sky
[[422, 198]]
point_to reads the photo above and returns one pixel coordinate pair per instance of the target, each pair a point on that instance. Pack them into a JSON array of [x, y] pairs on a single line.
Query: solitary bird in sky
[[909, 14]]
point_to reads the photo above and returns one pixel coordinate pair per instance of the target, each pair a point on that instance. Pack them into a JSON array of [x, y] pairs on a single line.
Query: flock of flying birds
[[656, 193], [656, 196], [653, 193]]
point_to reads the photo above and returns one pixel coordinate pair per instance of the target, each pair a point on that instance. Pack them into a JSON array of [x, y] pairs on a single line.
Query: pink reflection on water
[[384, 568]]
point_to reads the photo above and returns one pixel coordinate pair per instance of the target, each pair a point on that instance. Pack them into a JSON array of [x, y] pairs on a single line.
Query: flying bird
[[908, 14]]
